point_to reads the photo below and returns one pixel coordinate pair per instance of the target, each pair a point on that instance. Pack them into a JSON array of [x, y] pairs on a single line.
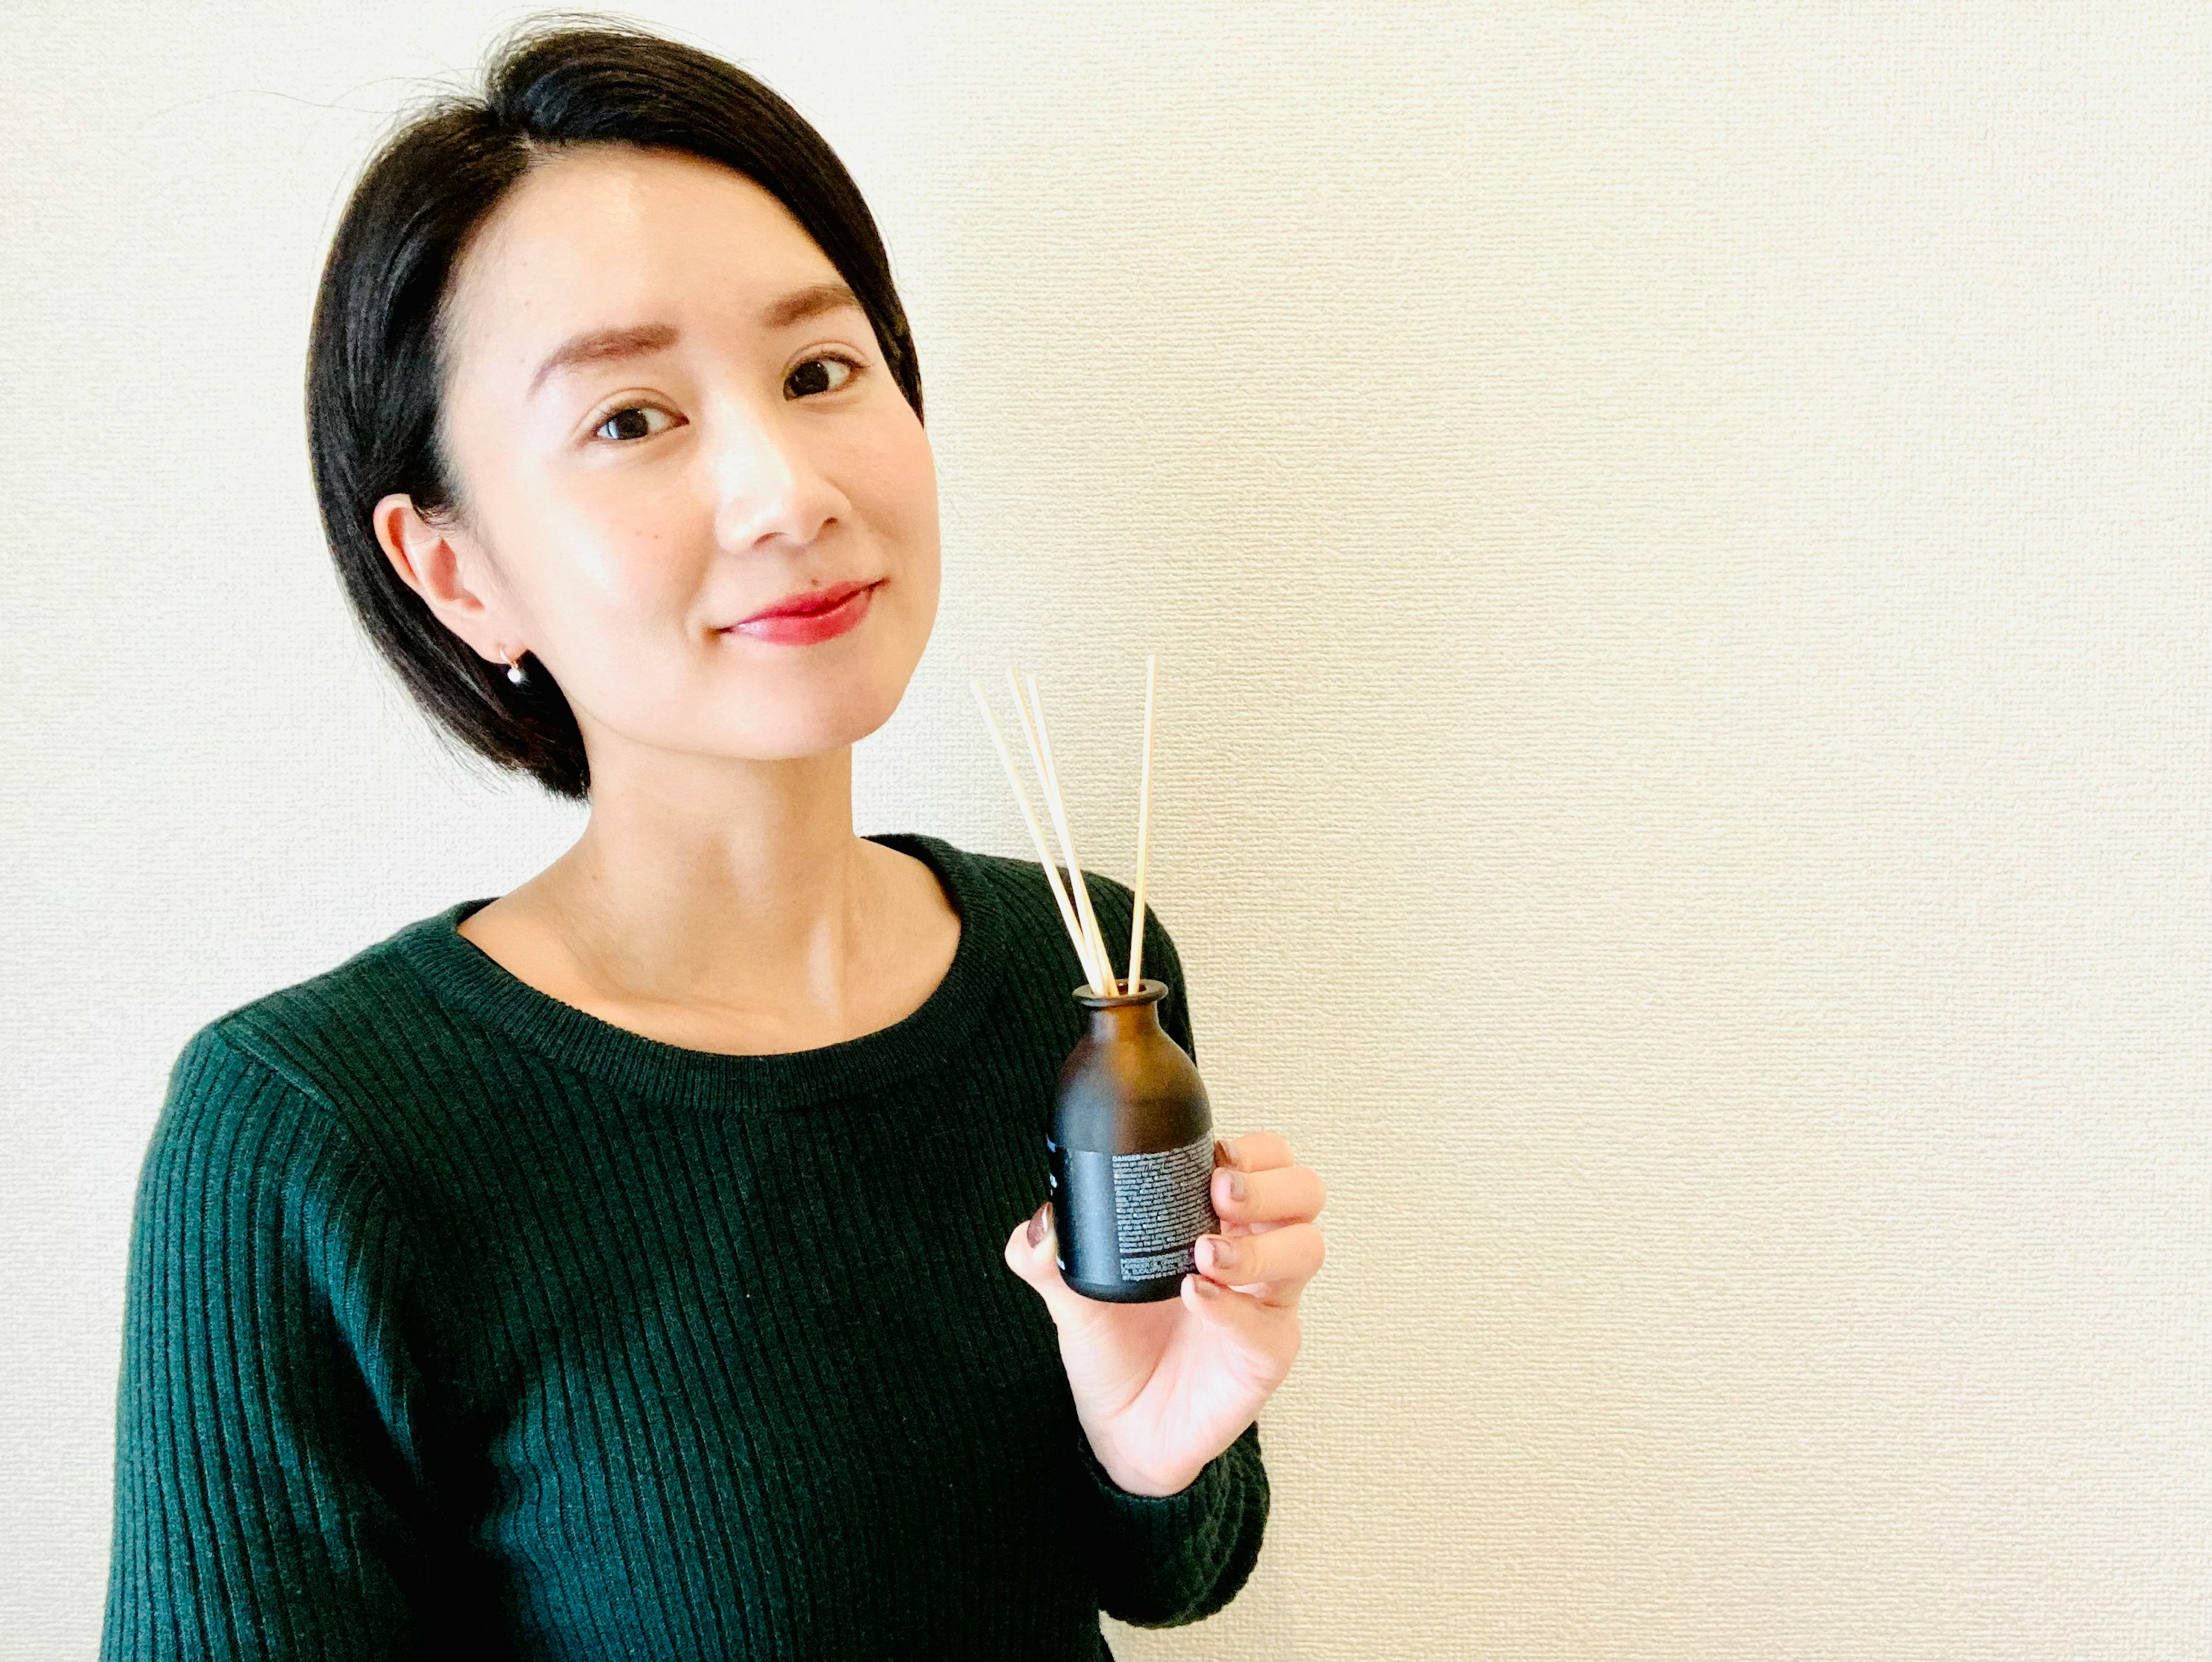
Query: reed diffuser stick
[[1067, 918], [1091, 954], [1144, 827], [1048, 784], [1059, 815]]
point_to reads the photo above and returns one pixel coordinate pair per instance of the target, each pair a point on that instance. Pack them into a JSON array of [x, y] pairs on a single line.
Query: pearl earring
[[515, 671]]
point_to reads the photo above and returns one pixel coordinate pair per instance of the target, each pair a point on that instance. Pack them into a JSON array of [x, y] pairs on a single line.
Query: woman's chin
[[753, 724], [805, 732]]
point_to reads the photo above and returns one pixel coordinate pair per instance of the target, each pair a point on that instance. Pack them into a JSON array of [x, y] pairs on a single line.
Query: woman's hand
[[1162, 1388]]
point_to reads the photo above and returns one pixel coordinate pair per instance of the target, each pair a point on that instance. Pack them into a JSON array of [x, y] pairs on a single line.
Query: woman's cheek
[[622, 559], [625, 603], [910, 507]]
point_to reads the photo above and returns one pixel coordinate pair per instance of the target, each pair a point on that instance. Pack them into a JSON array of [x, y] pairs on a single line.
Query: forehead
[[609, 235]]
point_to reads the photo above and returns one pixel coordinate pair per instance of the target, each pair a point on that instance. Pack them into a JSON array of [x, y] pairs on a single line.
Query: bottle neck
[[1128, 1016], [1126, 1021]]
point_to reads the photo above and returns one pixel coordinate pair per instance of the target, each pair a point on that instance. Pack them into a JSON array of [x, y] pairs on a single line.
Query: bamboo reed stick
[[1067, 839], [1091, 970], [1087, 949], [1144, 828]]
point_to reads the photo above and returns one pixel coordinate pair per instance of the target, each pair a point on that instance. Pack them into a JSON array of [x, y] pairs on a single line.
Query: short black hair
[[375, 345]]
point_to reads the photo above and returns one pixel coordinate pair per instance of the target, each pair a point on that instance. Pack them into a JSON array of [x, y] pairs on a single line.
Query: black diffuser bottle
[[1132, 1154]]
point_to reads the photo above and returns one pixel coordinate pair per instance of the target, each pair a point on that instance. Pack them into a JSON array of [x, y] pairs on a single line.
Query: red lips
[[812, 615]]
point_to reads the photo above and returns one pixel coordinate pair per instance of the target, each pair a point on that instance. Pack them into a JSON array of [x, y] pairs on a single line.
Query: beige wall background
[[1677, 537]]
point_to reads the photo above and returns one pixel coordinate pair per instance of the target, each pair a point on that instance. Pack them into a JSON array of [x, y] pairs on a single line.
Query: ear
[[440, 561]]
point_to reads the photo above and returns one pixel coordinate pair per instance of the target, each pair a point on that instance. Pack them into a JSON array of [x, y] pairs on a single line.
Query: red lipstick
[[812, 615]]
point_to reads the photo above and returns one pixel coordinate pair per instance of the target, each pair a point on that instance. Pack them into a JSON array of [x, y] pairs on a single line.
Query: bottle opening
[[1149, 991]]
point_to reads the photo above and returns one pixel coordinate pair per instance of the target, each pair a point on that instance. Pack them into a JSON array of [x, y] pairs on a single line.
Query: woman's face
[[666, 414]]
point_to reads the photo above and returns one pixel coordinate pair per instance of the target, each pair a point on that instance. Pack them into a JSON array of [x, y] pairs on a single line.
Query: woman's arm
[[1165, 1556], [265, 1465], [1162, 1561]]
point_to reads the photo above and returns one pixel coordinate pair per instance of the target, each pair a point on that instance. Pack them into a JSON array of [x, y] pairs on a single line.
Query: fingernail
[[1221, 1254], [1038, 1222], [1234, 1184], [1223, 1154]]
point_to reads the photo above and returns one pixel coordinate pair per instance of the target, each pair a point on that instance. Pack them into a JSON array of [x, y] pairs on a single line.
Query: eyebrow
[[602, 345], [599, 346], [812, 300]]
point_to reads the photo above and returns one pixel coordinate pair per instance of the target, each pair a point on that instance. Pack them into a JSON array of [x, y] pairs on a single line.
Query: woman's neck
[[728, 906]]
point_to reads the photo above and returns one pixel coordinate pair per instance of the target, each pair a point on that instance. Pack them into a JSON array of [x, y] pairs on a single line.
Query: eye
[[819, 374], [633, 421]]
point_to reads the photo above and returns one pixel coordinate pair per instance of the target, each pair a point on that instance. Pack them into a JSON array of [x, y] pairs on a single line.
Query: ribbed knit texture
[[462, 1323]]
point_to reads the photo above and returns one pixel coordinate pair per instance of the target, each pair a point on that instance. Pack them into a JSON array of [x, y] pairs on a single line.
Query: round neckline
[[935, 1033]]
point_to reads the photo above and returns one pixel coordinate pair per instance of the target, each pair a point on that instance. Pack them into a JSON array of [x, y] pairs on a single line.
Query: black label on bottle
[[1163, 1203]]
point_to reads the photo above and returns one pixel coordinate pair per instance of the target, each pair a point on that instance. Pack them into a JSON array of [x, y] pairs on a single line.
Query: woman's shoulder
[[284, 1137], [1024, 897], [321, 1060], [355, 1017]]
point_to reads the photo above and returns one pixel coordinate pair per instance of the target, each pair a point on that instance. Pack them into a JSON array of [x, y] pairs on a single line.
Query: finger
[[1037, 1262], [1269, 1332], [1284, 1194], [1282, 1260], [1256, 1150]]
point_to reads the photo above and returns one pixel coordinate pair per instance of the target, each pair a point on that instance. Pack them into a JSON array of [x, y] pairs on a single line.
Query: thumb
[[1033, 1253]]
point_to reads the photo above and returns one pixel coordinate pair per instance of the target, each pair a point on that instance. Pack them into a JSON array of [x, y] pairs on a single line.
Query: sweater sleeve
[[266, 1463], [1163, 1561]]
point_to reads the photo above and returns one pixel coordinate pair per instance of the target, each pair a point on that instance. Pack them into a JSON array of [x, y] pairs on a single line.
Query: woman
[[619, 1267]]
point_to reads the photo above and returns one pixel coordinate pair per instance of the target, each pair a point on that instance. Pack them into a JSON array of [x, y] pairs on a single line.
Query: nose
[[769, 486]]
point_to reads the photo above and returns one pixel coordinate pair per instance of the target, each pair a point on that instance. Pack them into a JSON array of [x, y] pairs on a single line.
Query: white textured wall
[[1678, 537]]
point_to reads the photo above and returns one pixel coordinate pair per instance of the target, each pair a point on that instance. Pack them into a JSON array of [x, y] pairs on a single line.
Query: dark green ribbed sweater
[[462, 1323]]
